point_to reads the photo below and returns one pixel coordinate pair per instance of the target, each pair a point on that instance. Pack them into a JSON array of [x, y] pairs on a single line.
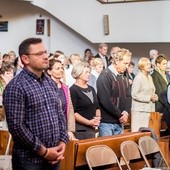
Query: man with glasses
[[33, 111]]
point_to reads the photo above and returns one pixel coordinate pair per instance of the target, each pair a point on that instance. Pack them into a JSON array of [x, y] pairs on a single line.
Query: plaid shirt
[[34, 114]]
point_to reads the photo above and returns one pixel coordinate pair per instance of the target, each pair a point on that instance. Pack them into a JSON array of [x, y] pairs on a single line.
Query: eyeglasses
[[40, 53]]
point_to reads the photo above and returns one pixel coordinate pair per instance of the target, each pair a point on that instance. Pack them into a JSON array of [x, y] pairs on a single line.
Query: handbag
[[5, 160]]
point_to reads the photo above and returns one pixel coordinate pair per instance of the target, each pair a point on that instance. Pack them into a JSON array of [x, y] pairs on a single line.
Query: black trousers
[[84, 132]]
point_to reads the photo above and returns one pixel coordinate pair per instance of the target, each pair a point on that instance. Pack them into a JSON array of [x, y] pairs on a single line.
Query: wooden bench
[[164, 143], [75, 150], [156, 122], [4, 135]]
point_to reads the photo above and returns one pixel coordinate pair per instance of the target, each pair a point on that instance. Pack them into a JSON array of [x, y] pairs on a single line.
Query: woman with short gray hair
[[84, 98]]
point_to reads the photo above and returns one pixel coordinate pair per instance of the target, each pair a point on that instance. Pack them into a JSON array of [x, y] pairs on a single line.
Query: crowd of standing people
[[49, 99]]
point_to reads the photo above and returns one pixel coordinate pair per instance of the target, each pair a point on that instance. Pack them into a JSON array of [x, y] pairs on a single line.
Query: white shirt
[[69, 79]]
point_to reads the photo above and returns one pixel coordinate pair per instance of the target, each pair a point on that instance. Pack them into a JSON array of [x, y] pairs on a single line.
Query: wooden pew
[[75, 150], [159, 126], [4, 135], [164, 143]]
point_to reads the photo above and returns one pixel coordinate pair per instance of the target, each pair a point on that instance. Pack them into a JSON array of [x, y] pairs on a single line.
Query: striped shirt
[[34, 114]]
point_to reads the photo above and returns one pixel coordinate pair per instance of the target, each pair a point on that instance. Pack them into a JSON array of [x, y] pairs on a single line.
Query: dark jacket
[[162, 104], [113, 95]]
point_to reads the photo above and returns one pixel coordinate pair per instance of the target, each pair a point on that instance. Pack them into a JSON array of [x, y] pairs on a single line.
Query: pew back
[[75, 150]]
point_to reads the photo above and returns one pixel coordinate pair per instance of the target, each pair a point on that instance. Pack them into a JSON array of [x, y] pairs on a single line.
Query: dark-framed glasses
[[40, 53]]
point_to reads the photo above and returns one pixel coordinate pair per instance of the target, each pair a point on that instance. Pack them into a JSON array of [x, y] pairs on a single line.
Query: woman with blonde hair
[[74, 60], [143, 96], [98, 65], [85, 103]]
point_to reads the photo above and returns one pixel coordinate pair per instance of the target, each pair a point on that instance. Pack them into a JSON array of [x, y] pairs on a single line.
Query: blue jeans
[[108, 129], [21, 164]]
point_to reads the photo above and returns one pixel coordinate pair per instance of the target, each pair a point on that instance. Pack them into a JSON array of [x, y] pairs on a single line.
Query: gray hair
[[79, 68], [153, 51], [101, 45], [73, 56], [118, 55]]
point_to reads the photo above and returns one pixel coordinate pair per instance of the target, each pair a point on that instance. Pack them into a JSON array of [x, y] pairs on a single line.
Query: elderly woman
[[56, 71], [143, 96], [84, 98]]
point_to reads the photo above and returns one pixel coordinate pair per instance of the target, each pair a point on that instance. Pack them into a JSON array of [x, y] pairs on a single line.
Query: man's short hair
[[24, 46], [121, 53], [102, 45], [131, 64], [153, 51]]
